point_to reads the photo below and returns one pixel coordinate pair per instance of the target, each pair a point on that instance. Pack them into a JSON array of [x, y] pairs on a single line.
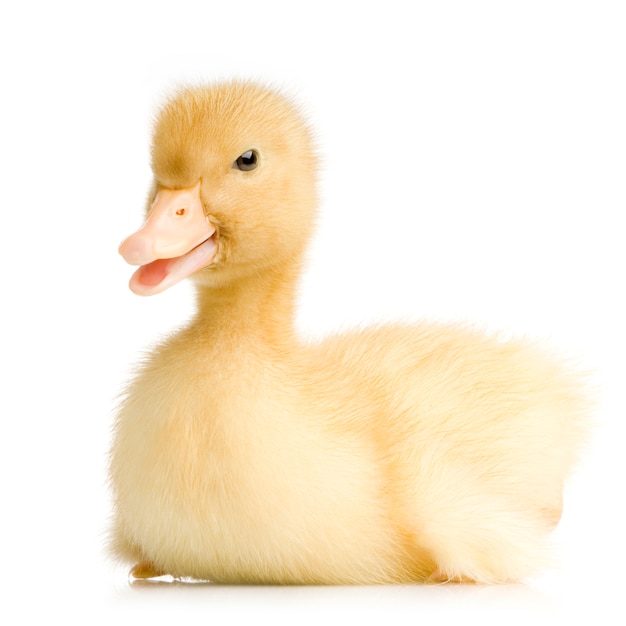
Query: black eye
[[247, 161]]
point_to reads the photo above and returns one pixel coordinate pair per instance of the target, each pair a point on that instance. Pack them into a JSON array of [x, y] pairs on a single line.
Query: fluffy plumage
[[386, 455]]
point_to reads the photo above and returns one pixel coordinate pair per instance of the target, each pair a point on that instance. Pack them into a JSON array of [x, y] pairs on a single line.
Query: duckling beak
[[176, 240]]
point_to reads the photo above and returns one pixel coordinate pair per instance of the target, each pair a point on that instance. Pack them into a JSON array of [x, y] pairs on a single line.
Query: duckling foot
[[145, 570]]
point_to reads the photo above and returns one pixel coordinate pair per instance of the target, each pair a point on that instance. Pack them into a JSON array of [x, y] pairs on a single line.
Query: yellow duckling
[[243, 455]]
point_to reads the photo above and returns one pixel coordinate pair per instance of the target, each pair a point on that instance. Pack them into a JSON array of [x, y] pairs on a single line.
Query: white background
[[474, 169]]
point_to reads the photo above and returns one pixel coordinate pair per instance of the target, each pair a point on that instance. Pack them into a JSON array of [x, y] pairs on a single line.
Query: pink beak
[[175, 241]]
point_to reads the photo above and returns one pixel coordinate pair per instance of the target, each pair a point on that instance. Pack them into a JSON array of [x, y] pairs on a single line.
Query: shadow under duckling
[[386, 455]]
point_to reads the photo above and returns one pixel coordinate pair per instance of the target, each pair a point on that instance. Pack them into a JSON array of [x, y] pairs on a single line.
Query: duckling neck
[[261, 306]]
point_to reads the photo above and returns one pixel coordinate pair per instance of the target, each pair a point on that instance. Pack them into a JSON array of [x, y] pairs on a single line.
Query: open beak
[[175, 241]]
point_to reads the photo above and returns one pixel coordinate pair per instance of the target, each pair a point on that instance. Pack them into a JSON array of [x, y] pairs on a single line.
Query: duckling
[[241, 454]]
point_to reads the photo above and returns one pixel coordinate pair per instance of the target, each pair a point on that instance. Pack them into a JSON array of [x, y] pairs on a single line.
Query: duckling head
[[234, 189]]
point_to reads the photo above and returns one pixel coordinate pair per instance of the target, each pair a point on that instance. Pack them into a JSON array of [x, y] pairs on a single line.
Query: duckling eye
[[247, 161], [181, 211]]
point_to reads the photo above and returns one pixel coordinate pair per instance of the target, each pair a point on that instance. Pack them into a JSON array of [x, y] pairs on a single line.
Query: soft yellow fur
[[390, 454]]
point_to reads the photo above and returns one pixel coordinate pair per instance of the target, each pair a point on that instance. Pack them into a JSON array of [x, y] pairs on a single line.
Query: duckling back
[[476, 435]]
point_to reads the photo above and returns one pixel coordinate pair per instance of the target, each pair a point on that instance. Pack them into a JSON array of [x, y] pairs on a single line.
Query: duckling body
[[392, 454]]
